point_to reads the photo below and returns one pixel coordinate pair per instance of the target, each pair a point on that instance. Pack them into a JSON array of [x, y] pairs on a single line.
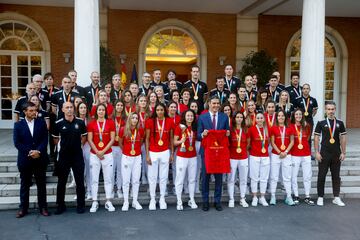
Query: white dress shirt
[[216, 118], [30, 125]]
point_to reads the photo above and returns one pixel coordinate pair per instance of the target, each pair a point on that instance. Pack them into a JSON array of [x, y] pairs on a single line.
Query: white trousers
[[285, 165], [107, 168], [117, 176], [159, 168], [183, 166], [242, 166], [305, 163], [144, 165], [259, 172], [86, 154], [131, 170]]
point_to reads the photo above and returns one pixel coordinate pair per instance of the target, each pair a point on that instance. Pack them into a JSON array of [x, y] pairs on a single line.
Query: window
[[171, 45], [330, 65]]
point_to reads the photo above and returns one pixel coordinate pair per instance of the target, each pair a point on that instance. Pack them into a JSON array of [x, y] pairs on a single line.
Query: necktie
[[214, 121]]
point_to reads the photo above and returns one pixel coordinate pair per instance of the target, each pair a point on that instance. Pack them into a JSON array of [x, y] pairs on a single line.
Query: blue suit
[[24, 142], [205, 122]]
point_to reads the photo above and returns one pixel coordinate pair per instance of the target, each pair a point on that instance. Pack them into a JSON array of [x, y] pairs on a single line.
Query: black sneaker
[[296, 200], [309, 202]]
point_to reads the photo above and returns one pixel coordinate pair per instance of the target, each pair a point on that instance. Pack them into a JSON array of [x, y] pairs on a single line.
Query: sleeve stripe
[[55, 136]]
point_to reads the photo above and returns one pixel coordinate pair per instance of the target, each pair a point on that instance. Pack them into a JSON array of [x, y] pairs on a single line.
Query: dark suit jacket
[[205, 122], [24, 142]]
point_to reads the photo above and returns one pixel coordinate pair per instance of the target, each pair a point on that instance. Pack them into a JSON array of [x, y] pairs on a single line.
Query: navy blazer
[[24, 142], [205, 122]]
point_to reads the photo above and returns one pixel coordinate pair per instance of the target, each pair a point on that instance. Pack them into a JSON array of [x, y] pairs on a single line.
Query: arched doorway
[[23, 54], [335, 72], [172, 44]]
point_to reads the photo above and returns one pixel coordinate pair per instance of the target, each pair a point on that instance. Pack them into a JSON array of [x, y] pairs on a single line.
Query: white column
[[87, 49], [312, 50]]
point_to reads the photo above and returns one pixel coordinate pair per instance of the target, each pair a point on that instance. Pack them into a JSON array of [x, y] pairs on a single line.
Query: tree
[[259, 63], [107, 65]]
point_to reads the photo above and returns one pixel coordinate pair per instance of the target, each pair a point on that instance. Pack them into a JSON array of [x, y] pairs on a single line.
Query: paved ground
[[280, 222]]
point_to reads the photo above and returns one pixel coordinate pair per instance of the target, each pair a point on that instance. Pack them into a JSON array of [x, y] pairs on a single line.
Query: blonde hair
[[127, 128]]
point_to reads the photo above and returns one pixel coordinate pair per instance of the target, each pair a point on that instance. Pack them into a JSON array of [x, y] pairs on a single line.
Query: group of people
[[137, 134]]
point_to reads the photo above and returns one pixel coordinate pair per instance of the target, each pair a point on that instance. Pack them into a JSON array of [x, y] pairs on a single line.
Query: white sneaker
[[152, 205], [263, 202], [125, 207], [320, 201], [243, 203], [337, 201], [119, 194], [179, 206], [162, 203], [231, 203], [88, 196], [94, 206], [192, 204], [136, 205], [72, 184], [109, 206], [254, 202]]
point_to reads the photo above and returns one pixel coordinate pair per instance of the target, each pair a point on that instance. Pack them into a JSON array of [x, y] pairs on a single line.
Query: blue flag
[[134, 77]]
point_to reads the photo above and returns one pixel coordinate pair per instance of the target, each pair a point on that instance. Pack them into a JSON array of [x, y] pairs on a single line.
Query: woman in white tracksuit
[[159, 152], [238, 158], [82, 113], [119, 119], [259, 160], [184, 139], [101, 136], [301, 156], [131, 138], [142, 107], [282, 140]]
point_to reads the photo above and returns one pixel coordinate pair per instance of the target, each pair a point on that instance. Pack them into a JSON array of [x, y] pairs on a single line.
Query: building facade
[[40, 37]]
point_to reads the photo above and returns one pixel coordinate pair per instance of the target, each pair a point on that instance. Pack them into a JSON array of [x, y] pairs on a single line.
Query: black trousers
[[329, 161], [36, 168], [76, 163]]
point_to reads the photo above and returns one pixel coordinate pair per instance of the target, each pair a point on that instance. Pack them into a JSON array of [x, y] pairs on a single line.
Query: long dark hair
[[154, 115], [302, 122], [277, 114], [183, 120], [123, 111], [78, 107], [97, 107], [233, 119]]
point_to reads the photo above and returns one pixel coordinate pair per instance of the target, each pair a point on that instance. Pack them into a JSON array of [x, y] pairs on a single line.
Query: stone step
[[12, 167], [13, 202]]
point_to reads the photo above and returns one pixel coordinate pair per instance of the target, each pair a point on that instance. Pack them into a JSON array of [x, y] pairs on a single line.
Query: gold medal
[[300, 146], [332, 141], [263, 150], [191, 148], [132, 152], [160, 142], [117, 138], [238, 150], [282, 147], [101, 144], [196, 97], [306, 114]]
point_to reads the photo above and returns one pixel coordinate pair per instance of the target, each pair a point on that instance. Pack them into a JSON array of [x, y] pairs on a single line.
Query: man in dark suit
[[212, 120], [30, 139]]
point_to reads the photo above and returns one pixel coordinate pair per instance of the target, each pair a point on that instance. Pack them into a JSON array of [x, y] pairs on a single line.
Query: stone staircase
[[10, 185]]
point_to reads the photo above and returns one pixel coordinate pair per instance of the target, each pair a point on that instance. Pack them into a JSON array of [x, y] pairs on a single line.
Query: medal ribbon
[[296, 91], [282, 134], [117, 125], [160, 128], [133, 139], [101, 130], [331, 131], [142, 120], [221, 97], [272, 120], [262, 137], [197, 89], [67, 99], [307, 104], [127, 112], [229, 83], [190, 135], [238, 137], [299, 134]]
